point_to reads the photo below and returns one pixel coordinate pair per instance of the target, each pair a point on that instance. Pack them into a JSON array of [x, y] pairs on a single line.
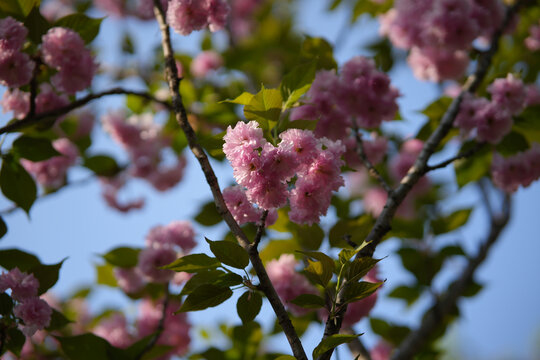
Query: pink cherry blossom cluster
[[19, 101], [185, 16], [142, 9], [492, 120], [375, 149], [518, 170], [289, 284], [360, 94], [34, 312], [144, 140], [266, 170], [16, 67], [51, 173], [439, 33], [243, 210], [116, 330], [163, 245], [532, 42], [64, 50], [205, 62]]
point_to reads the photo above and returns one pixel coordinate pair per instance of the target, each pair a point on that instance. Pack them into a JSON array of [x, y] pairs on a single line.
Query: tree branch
[[181, 117], [416, 340], [419, 168], [459, 156], [371, 169], [260, 230], [34, 119]]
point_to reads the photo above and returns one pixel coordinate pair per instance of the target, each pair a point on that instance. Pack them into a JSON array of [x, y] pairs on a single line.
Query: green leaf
[[18, 8], [276, 247], [208, 215], [309, 237], [408, 229], [3, 227], [472, 289], [407, 293], [58, 321], [17, 185], [360, 290], [47, 275], [265, 108], [473, 168], [297, 82], [527, 123], [309, 301], [37, 25], [320, 50], [320, 271], [285, 357], [423, 265], [102, 165], [87, 347], [360, 267], [512, 144], [88, 28], [229, 253], [331, 342], [451, 222], [394, 334], [249, 305], [11, 258], [213, 277], [105, 275], [205, 296], [243, 99], [6, 304], [193, 263], [15, 341], [34, 149], [357, 229], [124, 257]]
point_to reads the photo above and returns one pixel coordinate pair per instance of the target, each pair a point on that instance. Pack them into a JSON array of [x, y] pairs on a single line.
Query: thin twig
[[459, 156], [32, 120], [416, 340], [33, 88], [160, 328], [260, 230], [265, 284], [371, 169], [419, 168]]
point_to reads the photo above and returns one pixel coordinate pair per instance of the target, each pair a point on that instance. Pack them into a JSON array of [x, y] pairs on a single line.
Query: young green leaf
[[47, 275], [360, 290], [102, 165], [58, 321], [451, 222], [265, 108], [105, 275], [3, 227], [11, 258], [297, 82], [331, 342], [249, 305], [193, 263], [18, 8], [360, 267], [88, 28], [214, 277], [229, 253], [205, 296]]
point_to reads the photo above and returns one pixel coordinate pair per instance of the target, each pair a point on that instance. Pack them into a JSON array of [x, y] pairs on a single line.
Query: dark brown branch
[[459, 156], [419, 168], [260, 230], [160, 328], [181, 117], [32, 120], [371, 169], [445, 304]]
